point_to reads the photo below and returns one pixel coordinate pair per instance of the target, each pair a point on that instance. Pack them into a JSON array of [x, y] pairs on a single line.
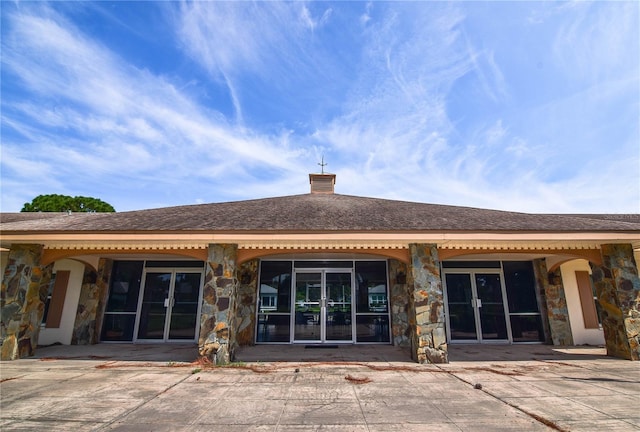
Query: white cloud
[[592, 43], [495, 133], [313, 23], [103, 123], [366, 16], [126, 118]]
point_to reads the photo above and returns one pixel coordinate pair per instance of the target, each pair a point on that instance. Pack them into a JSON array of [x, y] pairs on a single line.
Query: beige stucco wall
[[64, 333], [581, 335]]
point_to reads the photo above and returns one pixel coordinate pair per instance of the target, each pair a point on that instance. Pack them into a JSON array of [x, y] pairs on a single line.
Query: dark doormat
[[320, 346]]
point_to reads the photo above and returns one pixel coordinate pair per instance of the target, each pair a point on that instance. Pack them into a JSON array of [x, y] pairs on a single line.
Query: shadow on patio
[[169, 352], [304, 353]]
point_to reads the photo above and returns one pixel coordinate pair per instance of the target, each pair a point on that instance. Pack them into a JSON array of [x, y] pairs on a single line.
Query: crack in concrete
[[141, 404], [536, 417]]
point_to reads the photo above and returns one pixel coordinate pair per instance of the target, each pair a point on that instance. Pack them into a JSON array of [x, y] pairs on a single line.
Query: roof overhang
[[325, 240]]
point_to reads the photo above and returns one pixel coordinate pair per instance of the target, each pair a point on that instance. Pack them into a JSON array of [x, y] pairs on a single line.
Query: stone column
[[399, 303], [555, 303], [426, 303], [244, 320], [216, 338], [92, 303], [618, 289], [24, 289]]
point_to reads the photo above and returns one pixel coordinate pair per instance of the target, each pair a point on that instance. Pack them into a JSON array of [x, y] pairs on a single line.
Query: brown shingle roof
[[316, 212]]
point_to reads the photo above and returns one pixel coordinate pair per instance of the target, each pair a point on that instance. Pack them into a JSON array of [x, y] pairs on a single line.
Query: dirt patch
[[358, 380], [89, 357], [496, 371], [9, 379], [554, 362], [115, 365], [534, 416]]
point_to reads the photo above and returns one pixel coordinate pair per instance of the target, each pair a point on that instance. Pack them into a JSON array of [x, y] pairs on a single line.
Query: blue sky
[[524, 106]]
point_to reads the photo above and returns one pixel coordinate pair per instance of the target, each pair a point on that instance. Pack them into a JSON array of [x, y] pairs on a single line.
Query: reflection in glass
[[118, 327], [122, 304], [338, 319], [371, 287], [274, 302], [125, 286], [153, 312], [521, 287], [184, 311], [462, 322], [273, 328], [323, 301], [307, 312], [275, 287], [372, 328], [492, 318], [372, 302], [524, 313], [526, 328]]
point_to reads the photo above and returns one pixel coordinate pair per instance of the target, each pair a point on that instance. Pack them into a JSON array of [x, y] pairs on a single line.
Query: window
[[274, 310], [372, 305], [122, 306], [268, 302], [524, 314]]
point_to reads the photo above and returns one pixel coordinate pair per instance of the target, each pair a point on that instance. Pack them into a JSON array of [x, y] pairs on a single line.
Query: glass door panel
[[274, 302], [169, 306], [308, 295], [338, 311], [462, 319], [491, 306], [153, 310], [184, 306]]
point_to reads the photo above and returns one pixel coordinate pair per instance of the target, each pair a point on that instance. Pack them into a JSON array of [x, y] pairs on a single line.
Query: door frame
[[168, 310], [476, 309], [323, 305]]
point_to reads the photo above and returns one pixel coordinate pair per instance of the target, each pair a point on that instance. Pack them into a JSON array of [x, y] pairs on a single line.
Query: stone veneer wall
[[555, 303], [24, 289], [217, 341], [618, 288], [244, 320], [399, 303], [92, 303], [426, 305]]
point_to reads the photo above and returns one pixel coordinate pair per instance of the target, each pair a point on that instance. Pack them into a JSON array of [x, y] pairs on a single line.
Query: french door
[[169, 306], [475, 306], [322, 304]]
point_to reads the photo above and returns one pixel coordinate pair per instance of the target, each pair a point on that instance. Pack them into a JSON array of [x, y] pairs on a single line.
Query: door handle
[[170, 301]]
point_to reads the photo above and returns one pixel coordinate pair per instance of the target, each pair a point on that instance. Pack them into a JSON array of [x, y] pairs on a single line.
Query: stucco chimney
[[322, 183]]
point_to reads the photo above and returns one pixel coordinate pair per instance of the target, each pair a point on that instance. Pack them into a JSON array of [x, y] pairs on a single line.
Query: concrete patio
[[348, 388]]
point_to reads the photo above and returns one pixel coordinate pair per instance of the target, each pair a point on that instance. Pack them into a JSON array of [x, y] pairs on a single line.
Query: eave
[[323, 240]]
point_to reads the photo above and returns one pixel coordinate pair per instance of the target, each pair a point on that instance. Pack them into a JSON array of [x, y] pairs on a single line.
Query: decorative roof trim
[[315, 237], [322, 245]]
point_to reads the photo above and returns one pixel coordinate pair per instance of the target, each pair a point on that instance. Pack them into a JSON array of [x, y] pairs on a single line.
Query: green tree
[[63, 203]]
